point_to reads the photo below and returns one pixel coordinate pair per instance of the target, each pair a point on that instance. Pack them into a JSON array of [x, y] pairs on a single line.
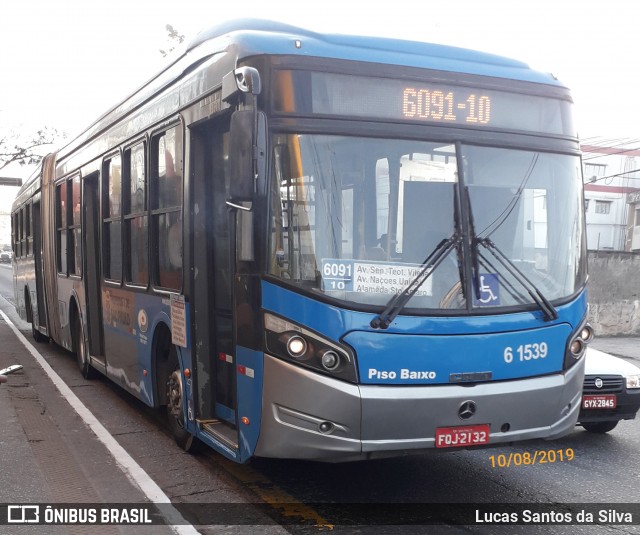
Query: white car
[[611, 392]]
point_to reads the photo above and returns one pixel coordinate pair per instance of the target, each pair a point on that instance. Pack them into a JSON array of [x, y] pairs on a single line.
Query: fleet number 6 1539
[[526, 352]]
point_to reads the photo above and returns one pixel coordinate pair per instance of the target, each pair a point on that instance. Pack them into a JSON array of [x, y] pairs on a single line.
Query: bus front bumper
[[310, 416]]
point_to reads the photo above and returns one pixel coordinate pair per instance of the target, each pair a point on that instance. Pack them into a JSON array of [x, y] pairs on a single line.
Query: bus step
[[221, 431]]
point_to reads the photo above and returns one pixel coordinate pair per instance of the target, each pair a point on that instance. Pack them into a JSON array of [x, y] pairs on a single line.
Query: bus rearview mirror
[[246, 154]]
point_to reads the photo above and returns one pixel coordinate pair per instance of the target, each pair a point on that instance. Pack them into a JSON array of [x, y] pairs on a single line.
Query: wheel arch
[[160, 350]]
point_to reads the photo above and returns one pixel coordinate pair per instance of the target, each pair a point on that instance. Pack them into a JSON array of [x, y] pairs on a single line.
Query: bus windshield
[[355, 218]]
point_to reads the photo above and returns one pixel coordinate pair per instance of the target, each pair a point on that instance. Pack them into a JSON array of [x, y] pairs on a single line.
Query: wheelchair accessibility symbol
[[489, 290]]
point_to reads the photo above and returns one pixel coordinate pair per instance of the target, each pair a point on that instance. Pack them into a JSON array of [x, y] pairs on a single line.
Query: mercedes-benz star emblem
[[467, 410], [598, 382]]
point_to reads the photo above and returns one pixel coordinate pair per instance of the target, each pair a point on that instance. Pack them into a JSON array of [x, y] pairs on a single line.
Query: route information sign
[[370, 277]]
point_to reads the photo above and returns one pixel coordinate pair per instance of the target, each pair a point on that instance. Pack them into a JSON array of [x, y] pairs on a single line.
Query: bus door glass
[[92, 247], [37, 255], [212, 283]]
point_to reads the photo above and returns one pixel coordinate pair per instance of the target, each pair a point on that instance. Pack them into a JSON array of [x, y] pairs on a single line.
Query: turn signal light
[[330, 360]]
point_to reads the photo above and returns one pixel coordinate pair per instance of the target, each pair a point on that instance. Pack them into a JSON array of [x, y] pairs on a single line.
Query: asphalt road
[[585, 468]]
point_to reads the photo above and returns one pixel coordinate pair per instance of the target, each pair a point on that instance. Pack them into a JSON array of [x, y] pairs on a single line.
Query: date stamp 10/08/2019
[[527, 458]]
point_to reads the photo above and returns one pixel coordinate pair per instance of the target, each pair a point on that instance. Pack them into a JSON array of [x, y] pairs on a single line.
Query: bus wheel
[[37, 335], [175, 406], [82, 355]]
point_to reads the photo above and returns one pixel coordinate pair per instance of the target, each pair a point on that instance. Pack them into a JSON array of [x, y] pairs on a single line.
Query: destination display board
[[435, 102]]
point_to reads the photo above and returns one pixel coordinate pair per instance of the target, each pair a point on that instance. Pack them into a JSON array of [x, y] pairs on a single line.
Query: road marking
[[127, 464], [272, 495]]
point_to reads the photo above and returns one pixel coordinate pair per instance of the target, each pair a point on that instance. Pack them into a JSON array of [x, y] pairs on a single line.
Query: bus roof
[[243, 38], [255, 36]]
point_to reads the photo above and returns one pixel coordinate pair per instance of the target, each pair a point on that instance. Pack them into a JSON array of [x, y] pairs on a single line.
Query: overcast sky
[[63, 63]]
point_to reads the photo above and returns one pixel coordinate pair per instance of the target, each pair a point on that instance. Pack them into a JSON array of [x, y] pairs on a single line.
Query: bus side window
[[166, 208], [74, 234], [61, 231], [112, 222], [135, 216], [16, 235], [28, 233]]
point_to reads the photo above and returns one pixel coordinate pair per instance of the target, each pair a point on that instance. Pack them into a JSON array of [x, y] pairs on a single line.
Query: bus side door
[[92, 248]]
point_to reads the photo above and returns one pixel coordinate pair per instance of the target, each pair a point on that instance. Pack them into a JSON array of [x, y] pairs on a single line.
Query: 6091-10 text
[[528, 458]]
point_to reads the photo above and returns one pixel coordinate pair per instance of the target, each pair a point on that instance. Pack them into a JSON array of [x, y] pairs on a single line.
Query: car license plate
[[461, 436], [605, 401]]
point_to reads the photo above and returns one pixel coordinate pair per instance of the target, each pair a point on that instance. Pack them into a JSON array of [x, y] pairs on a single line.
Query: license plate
[[605, 401], [461, 436]]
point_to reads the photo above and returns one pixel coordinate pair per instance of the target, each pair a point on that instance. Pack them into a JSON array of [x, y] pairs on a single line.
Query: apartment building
[[612, 193]]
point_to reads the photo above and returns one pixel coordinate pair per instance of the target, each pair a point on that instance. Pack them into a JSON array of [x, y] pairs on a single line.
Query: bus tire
[[175, 405], [80, 346], [37, 335], [599, 427]]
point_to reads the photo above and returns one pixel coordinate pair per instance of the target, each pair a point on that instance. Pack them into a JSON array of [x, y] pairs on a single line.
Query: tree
[[25, 150], [174, 39]]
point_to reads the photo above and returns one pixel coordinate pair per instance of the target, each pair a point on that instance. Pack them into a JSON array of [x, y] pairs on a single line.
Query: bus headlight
[[586, 333], [577, 345], [296, 345], [293, 343]]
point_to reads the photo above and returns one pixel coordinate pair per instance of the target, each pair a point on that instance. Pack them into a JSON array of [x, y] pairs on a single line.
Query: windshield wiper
[[398, 301], [475, 257], [429, 265], [550, 313]]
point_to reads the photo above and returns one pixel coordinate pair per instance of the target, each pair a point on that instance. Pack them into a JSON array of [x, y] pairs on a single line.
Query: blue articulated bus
[[322, 247]]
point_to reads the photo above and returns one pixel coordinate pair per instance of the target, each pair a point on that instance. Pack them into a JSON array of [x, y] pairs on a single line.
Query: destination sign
[[450, 106], [424, 101], [382, 278]]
